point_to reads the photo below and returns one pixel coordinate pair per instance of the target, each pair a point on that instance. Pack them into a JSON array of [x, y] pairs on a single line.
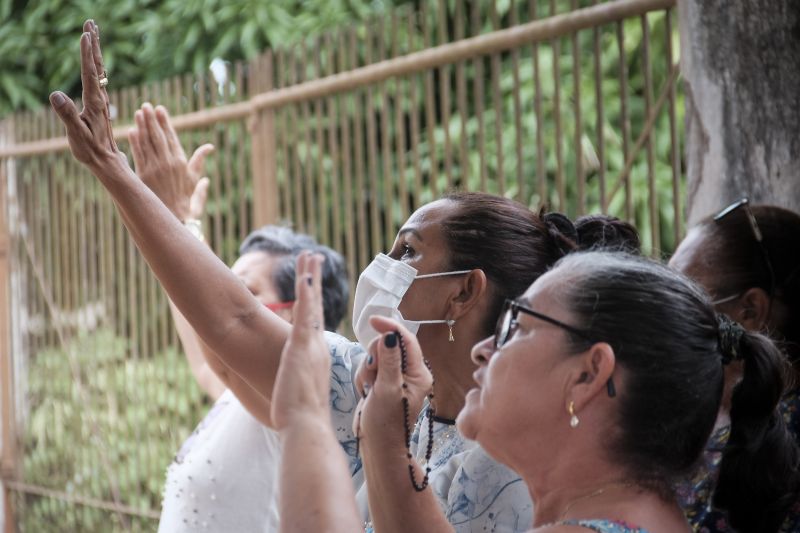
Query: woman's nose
[[482, 352]]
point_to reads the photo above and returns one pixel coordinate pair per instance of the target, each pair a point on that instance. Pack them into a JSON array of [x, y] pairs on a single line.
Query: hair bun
[[730, 339], [606, 232], [562, 231]]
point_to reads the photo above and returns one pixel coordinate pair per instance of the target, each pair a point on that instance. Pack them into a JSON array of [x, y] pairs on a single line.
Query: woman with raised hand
[[600, 387], [748, 258], [450, 268]]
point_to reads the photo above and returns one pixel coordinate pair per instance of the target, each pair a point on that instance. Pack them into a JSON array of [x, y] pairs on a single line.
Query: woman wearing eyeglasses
[[600, 387], [451, 267], [748, 259]]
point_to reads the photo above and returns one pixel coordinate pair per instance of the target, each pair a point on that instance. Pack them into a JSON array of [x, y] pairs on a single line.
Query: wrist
[[302, 424], [195, 227]]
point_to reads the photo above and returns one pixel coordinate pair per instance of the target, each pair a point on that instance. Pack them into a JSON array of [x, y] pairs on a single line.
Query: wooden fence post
[[262, 147], [8, 454]]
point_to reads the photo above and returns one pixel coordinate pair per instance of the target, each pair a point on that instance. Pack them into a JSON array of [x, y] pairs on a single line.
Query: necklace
[[419, 487], [596, 492], [431, 415]]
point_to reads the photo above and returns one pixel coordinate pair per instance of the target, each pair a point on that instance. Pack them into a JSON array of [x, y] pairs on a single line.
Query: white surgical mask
[[380, 290]]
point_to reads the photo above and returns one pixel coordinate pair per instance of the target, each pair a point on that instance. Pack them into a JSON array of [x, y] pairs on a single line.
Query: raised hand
[[302, 387], [381, 378], [161, 163], [89, 132]]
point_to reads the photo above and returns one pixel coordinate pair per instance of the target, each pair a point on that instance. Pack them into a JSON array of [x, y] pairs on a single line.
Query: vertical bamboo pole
[[318, 160], [479, 94], [358, 155], [349, 250], [372, 151], [333, 145], [626, 125], [598, 102], [560, 186], [518, 133], [8, 455], [674, 144], [461, 98], [497, 103], [650, 146], [430, 110], [263, 150], [304, 173], [576, 101], [444, 95], [541, 175]]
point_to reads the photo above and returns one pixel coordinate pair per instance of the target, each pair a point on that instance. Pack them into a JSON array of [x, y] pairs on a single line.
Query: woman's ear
[[753, 309], [469, 293], [593, 370]]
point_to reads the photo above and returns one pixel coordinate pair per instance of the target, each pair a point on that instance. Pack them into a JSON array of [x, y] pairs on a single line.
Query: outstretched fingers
[[171, 136], [102, 76], [158, 138]]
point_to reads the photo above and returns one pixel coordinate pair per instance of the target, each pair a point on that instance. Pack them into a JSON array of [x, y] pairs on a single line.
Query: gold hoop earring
[[450, 324], [573, 419]]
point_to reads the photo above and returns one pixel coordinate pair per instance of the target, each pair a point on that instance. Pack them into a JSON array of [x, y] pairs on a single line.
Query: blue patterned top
[[475, 492], [345, 358], [605, 526]]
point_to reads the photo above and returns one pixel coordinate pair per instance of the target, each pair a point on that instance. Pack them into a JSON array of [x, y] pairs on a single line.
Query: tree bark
[[740, 60]]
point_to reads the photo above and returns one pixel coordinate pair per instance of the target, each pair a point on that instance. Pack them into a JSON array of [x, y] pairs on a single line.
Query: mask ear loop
[[440, 274]]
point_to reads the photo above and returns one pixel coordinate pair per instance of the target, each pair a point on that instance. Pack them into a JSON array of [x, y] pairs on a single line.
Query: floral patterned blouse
[[475, 492], [605, 526], [695, 495]]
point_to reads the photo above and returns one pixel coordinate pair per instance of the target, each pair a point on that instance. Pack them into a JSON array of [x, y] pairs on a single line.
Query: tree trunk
[[740, 61]]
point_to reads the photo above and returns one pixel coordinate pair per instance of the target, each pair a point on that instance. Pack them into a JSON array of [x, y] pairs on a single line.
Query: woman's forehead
[[693, 257], [431, 213], [541, 293]]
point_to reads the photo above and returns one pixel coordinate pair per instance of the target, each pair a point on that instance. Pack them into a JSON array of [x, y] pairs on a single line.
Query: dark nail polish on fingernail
[[369, 360], [309, 281], [390, 340]]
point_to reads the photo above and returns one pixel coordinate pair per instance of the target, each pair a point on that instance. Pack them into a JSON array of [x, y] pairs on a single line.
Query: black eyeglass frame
[[504, 330], [744, 203]]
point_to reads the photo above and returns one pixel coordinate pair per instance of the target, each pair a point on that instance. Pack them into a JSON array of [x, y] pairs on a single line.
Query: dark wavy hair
[[514, 245], [732, 253], [280, 241], [666, 339]]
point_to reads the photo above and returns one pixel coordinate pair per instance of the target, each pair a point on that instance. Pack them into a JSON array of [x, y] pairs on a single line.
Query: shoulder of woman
[[343, 348]]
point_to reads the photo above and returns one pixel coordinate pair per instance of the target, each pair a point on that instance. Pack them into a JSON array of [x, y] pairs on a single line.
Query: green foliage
[[482, 132], [132, 413], [148, 39]]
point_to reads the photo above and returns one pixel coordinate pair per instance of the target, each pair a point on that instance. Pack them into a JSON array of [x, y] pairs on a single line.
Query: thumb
[[197, 162], [409, 340], [390, 361], [197, 203]]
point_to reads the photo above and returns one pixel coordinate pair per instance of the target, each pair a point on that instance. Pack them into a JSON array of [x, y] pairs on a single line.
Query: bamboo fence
[[549, 102]]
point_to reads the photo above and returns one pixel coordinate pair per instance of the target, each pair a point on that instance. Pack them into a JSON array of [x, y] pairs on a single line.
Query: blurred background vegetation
[[153, 39]]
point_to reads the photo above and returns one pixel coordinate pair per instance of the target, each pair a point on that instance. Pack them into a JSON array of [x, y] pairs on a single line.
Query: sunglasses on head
[[507, 326], [744, 205]]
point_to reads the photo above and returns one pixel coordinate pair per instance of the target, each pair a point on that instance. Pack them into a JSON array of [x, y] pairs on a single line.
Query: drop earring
[[573, 420], [450, 324]]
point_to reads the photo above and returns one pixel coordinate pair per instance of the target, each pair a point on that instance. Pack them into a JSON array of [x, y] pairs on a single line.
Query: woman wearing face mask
[[450, 269], [748, 259], [600, 386]]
